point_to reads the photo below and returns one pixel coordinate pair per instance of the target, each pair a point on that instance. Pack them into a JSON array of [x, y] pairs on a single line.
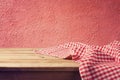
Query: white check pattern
[[96, 62]]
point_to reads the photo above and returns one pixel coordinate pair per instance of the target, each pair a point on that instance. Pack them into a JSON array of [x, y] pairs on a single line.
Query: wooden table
[[24, 64]]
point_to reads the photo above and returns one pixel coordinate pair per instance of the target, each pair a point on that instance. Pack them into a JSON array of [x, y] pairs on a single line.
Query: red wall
[[43, 23]]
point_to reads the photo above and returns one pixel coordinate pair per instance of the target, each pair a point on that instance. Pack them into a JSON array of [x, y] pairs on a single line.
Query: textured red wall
[[42, 23]]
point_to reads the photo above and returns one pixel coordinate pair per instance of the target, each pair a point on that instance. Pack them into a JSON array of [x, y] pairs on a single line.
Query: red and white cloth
[[96, 62]]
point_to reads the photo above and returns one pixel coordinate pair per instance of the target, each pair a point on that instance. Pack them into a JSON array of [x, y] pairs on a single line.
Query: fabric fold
[[96, 62]]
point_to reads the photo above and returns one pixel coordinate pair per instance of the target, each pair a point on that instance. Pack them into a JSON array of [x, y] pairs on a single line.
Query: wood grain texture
[[24, 64], [25, 58]]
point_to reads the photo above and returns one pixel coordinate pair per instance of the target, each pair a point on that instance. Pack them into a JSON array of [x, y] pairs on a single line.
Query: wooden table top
[[21, 59]]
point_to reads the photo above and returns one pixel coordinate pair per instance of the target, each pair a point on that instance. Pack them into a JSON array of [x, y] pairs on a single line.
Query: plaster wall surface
[[44, 23]]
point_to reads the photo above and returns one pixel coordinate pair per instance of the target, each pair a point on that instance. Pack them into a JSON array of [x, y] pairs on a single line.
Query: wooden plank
[[40, 63], [26, 58], [16, 52], [26, 55], [24, 64], [31, 56], [36, 67], [18, 49]]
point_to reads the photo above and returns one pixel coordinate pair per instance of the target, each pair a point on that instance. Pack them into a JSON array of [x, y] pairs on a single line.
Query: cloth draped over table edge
[[94, 61]]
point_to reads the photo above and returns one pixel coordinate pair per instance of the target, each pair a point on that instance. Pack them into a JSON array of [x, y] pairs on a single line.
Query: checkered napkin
[[96, 62]]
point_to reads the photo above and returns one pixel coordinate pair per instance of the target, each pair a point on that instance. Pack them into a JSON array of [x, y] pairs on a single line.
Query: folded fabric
[[96, 62]]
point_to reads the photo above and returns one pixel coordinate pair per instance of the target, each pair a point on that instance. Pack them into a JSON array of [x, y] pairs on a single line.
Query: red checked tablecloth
[[95, 62]]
